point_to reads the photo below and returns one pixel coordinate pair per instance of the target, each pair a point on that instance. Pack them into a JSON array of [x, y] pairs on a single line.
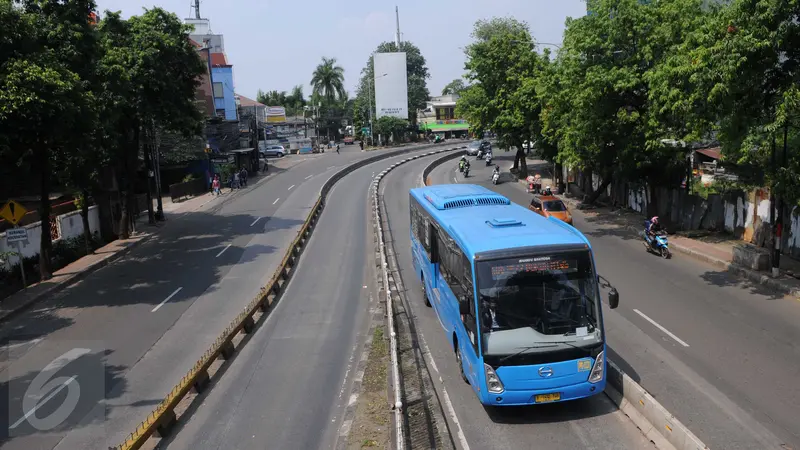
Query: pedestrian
[[244, 176], [361, 144], [235, 184], [337, 149], [215, 185]]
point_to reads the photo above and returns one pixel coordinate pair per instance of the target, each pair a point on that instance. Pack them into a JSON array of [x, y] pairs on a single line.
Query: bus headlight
[[493, 382], [599, 368]]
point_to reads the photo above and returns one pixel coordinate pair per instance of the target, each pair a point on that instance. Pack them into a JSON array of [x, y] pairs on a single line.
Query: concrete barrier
[[163, 418]]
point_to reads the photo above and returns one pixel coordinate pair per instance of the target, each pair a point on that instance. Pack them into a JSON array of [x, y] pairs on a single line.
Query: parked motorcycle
[[658, 244]]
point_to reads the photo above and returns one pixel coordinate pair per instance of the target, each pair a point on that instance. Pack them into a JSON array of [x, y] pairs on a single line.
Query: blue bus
[[516, 293]]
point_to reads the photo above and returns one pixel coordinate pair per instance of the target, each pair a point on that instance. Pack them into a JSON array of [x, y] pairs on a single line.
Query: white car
[[274, 151]]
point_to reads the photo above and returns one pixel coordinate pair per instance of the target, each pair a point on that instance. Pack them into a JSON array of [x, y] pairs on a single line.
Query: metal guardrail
[[163, 417], [396, 381]]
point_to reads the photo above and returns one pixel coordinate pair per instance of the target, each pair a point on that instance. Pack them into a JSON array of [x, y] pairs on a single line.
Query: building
[[204, 97], [221, 71], [439, 117]]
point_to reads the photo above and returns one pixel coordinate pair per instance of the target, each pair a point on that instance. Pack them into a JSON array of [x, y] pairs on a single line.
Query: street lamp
[[371, 131]]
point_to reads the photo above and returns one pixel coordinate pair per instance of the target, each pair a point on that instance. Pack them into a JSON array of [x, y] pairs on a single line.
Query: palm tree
[[328, 80]]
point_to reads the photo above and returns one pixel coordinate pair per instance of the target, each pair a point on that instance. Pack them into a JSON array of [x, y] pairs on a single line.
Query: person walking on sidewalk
[[243, 176], [215, 185], [235, 182]]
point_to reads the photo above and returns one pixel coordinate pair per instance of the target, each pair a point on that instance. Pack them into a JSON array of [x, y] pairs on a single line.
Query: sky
[[275, 45]]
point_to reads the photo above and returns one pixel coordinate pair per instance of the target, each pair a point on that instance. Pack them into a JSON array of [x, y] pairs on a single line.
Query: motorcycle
[[488, 159], [658, 244], [495, 177], [461, 166], [481, 154], [466, 171]]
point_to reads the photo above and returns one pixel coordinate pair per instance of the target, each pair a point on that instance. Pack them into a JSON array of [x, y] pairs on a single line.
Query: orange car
[[550, 206]]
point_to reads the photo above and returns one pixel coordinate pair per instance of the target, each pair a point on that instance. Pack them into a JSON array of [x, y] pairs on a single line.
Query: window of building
[[218, 93], [445, 113], [221, 112]]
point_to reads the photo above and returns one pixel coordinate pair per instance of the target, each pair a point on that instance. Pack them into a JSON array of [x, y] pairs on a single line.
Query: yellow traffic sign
[[13, 212]]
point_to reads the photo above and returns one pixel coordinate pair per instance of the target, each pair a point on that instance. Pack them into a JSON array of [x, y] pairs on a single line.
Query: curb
[[163, 418], [654, 421]]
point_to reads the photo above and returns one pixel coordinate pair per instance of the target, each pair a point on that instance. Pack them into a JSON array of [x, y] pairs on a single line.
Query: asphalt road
[[138, 324], [590, 423], [287, 388], [719, 353]]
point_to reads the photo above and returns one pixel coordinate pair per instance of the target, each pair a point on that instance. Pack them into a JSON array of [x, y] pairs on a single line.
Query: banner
[[391, 85], [276, 114]]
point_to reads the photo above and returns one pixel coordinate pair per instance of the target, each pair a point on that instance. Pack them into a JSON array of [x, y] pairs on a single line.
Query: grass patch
[[370, 427]]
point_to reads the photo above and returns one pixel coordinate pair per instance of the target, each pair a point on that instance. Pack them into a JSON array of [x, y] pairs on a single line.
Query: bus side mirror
[[463, 305], [613, 298]]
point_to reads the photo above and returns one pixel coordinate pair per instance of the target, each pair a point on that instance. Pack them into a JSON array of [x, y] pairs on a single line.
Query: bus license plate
[[547, 398]]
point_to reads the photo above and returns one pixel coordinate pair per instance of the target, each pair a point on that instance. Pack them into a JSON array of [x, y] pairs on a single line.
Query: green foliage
[[328, 81], [391, 126], [293, 102], [456, 86]]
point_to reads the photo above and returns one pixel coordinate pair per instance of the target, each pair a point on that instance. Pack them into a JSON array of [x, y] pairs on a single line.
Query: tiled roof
[[710, 152], [218, 60], [248, 102]]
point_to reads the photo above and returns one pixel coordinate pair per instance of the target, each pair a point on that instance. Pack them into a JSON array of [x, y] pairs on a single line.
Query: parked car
[[274, 151], [550, 206]]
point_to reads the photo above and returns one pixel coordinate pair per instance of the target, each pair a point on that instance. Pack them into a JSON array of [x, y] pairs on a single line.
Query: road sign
[[365, 131], [13, 212], [225, 159], [16, 235]]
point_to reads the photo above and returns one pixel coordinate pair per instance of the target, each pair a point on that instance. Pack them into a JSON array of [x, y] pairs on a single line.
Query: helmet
[[654, 219]]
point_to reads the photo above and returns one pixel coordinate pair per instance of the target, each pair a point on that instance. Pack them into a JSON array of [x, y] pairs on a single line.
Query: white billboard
[[391, 85]]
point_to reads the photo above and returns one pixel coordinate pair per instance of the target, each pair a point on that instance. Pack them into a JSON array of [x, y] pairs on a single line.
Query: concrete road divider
[[162, 419]]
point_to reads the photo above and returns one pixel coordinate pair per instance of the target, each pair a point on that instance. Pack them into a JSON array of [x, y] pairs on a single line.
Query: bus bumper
[[542, 396]]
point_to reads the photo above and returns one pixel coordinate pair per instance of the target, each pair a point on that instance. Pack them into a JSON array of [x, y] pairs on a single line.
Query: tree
[[328, 80], [456, 86], [136, 101], [47, 45], [504, 66], [391, 126]]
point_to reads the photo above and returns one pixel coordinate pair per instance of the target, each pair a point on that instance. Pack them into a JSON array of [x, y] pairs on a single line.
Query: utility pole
[[157, 164], [371, 136], [196, 9], [397, 37]]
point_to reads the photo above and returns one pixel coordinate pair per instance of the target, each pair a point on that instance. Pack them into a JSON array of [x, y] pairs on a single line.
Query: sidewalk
[[83, 267]]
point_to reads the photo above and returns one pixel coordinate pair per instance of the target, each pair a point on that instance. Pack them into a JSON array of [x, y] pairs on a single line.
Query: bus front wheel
[[425, 293]]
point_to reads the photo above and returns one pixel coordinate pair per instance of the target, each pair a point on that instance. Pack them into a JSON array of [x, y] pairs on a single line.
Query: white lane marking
[[45, 400], [309, 176], [254, 222], [276, 200], [669, 333], [21, 344], [223, 250], [167, 299], [290, 187]]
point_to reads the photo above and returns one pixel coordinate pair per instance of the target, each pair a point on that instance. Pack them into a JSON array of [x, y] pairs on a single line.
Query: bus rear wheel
[[425, 294], [461, 364]]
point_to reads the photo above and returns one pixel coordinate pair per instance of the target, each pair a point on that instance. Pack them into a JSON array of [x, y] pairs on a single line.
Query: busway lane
[[285, 388], [589, 423], [717, 352]]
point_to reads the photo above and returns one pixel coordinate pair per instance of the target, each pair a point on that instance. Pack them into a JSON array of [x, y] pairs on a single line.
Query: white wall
[[70, 225]]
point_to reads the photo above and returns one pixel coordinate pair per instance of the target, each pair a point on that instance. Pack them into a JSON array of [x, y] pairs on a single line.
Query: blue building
[[224, 97]]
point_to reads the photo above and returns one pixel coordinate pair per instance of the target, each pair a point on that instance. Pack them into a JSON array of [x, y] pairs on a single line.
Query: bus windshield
[[541, 299]]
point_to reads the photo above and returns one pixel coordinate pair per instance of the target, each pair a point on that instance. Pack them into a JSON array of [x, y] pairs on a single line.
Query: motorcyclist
[[651, 227], [461, 163], [496, 170], [466, 165], [548, 191]]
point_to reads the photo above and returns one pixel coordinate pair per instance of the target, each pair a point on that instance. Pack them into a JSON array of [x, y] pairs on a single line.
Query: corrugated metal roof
[[711, 152]]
